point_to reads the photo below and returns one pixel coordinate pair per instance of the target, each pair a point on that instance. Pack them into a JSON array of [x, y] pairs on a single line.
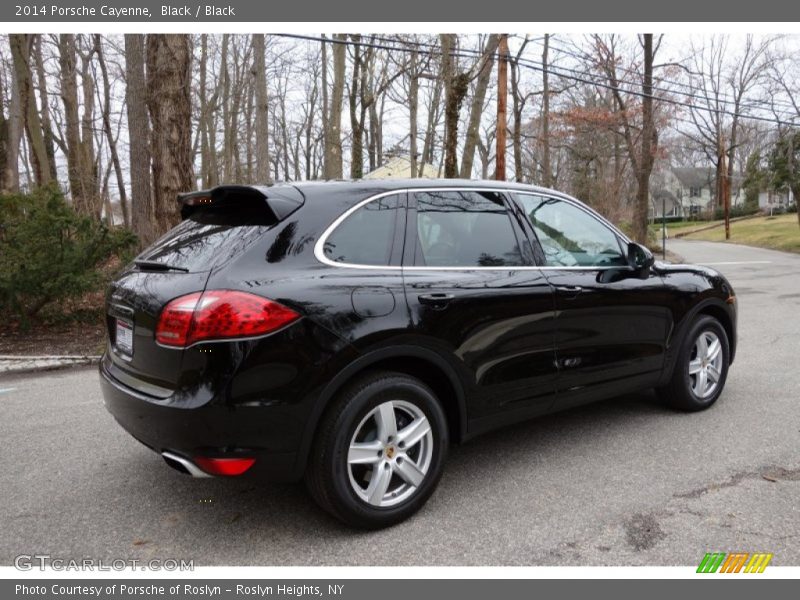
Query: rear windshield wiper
[[152, 265]]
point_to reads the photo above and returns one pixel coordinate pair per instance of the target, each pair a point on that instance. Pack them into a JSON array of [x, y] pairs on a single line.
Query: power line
[[726, 97], [562, 72]]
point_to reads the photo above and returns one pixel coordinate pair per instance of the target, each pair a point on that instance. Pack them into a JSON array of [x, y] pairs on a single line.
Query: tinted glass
[[205, 240], [570, 236], [464, 229], [365, 237]]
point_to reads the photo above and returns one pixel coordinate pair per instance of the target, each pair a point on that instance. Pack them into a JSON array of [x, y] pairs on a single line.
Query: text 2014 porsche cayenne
[[348, 332]]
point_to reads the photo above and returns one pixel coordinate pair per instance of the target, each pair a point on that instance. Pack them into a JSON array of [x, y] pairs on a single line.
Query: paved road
[[625, 482]]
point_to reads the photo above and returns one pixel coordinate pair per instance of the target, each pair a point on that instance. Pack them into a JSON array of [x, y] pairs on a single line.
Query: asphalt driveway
[[625, 482]]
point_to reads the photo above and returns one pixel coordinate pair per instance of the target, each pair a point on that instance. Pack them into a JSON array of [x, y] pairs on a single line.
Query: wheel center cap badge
[[390, 452]]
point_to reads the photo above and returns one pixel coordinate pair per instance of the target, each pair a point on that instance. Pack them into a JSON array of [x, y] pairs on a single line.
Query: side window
[[569, 236], [464, 229], [365, 237]]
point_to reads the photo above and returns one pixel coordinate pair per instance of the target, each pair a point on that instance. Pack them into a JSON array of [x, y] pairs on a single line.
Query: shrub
[[740, 210], [48, 252]]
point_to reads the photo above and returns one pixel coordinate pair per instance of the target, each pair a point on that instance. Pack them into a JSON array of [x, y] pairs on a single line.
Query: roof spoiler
[[279, 201]]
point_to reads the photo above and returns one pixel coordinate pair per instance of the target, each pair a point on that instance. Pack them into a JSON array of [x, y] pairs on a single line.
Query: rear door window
[[464, 229]]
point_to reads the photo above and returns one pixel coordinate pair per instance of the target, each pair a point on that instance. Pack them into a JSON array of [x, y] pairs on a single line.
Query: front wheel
[[379, 451], [701, 369]]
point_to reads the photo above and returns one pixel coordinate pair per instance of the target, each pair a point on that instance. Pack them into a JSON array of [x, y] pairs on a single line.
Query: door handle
[[436, 301], [569, 291]]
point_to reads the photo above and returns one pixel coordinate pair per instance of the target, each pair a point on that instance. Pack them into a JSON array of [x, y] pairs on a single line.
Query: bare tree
[[44, 111], [722, 84], [22, 50], [142, 208], [478, 102], [636, 123], [262, 127], [169, 58], [112, 142], [10, 134], [333, 135], [78, 139], [455, 89]]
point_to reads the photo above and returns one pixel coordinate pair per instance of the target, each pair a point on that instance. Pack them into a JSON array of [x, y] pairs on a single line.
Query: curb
[[14, 364]]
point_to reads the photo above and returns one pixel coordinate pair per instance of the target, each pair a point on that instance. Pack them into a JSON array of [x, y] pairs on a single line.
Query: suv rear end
[[184, 371]]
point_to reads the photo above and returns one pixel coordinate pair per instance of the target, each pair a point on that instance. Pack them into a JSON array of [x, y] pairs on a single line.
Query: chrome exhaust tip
[[184, 465]]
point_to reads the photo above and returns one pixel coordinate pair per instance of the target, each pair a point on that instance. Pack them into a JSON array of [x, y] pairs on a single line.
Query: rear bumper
[[270, 434]]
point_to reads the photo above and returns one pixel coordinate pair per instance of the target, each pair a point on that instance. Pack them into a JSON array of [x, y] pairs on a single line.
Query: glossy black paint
[[496, 345]]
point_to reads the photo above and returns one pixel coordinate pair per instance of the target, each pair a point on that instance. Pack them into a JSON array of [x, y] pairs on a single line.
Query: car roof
[[386, 185]]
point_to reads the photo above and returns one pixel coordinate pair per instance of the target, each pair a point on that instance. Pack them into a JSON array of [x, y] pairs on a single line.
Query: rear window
[[206, 239]]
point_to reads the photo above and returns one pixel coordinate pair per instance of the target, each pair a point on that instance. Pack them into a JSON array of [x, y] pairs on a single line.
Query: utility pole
[[723, 188], [502, 97]]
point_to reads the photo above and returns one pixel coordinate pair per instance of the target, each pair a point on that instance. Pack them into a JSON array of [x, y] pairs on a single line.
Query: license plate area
[[124, 337]]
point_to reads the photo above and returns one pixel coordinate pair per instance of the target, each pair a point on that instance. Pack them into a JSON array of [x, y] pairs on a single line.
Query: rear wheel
[[379, 451], [701, 369]]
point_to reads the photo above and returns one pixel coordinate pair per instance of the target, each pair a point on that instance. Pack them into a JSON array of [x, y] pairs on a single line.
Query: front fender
[[697, 290]]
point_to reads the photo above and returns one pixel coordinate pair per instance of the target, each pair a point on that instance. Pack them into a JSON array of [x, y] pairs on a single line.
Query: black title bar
[[440, 11]]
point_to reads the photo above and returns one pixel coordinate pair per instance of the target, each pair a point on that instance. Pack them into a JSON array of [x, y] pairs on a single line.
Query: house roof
[[701, 177], [695, 177], [399, 167]]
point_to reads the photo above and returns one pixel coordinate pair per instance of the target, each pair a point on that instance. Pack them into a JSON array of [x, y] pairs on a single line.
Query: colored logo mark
[[735, 562]]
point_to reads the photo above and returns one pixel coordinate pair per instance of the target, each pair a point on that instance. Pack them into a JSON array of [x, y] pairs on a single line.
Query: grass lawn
[[780, 232]]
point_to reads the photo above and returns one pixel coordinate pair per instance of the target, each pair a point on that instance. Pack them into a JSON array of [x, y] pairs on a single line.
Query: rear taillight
[[219, 314]]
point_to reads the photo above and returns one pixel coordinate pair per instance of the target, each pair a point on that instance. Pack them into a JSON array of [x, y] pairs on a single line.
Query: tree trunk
[[205, 116], [478, 101], [81, 169], [453, 95], [21, 51], [356, 124], [333, 141], [434, 114], [169, 60], [10, 128], [112, 143], [647, 148], [142, 209], [326, 132], [262, 127], [47, 129], [413, 108]]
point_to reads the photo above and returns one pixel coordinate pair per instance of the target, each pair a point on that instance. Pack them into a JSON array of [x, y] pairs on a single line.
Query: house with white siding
[[687, 191]]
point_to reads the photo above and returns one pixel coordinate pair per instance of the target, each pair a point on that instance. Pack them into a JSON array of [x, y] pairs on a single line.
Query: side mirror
[[639, 257]]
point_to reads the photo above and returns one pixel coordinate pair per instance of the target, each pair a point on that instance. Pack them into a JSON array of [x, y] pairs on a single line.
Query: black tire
[[328, 476], [678, 392]]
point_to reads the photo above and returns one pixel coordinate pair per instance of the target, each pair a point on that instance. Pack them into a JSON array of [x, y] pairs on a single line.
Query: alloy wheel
[[390, 453], [705, 365]]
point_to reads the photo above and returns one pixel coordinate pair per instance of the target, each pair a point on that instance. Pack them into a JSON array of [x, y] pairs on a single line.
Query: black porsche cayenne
[[348, 332]]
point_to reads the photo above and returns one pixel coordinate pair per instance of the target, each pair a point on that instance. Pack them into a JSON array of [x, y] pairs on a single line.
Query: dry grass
[[780, 232]]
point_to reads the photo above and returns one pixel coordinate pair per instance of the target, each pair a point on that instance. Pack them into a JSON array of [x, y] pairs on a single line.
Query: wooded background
[[123, 124]]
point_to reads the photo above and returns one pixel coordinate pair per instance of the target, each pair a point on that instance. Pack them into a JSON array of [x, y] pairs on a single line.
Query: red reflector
[[219, 314], [224, 466]]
